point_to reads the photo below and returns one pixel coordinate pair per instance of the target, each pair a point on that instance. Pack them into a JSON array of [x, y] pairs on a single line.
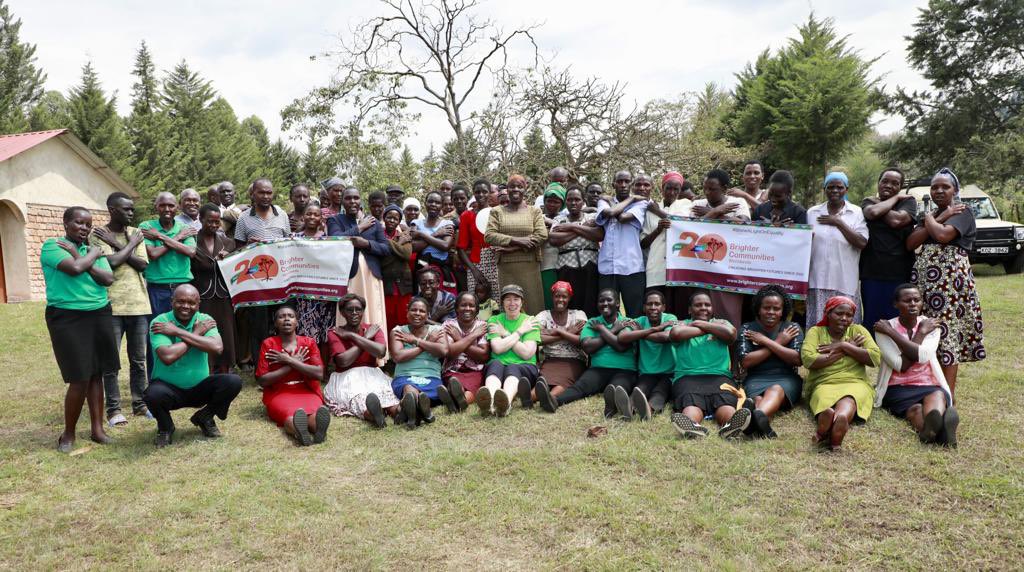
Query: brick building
[[41, 174]]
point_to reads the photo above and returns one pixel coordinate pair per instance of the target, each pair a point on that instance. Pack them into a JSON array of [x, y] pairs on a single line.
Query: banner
[[272, 272], [738, 256]]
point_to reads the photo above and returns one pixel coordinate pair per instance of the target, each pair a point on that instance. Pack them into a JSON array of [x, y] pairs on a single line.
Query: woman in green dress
[[837, 353]]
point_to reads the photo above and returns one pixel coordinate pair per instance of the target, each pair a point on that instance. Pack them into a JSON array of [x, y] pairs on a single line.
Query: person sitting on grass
[[769, 350], [838, 352], [612, 362], [417, 349], [910, 380], [703, 366], [468, 351], [564, 359], [514, 336], [289, 369], [358, 387], [181, 340], [657, 360]]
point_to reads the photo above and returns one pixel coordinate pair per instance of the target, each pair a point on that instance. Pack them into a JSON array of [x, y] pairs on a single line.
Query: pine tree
[[283, 165], [184, 99], [51, 112], [316, 161], [21, 83], [147, 127], [94, 119]]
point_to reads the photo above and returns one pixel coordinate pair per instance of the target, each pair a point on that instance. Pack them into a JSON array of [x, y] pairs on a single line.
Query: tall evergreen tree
[[21, 83], [317, 164], [184, 99], [50, 112], [94, 119], [147, 129]]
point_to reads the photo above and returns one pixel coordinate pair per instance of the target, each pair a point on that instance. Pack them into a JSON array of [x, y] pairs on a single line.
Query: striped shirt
[[251, 227]]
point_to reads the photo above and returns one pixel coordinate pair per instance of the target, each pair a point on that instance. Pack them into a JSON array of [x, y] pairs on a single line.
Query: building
[[41, 174]]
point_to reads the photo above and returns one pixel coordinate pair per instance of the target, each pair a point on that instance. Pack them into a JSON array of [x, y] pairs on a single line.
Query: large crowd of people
[[479, 299]]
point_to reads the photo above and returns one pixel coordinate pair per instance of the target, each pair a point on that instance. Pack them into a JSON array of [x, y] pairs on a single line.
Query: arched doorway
[[14, 282]]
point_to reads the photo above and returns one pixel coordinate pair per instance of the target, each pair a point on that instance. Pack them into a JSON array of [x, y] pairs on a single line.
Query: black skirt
[[83, 342]]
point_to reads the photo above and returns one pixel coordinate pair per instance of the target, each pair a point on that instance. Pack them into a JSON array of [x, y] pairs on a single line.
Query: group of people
[[545, 303]]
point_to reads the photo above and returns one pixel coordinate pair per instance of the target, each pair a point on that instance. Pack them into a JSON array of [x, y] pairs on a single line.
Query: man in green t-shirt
[[182, 340], [612, 362]]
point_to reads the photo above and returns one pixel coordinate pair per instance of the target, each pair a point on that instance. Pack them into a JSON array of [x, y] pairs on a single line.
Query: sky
[[257, 53]]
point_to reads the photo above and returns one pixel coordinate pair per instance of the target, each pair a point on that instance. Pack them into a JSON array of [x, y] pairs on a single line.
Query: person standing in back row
[[620, 260], [885, 262]]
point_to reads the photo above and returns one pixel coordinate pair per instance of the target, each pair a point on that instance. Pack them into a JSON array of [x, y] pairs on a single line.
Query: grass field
[[531, 491]]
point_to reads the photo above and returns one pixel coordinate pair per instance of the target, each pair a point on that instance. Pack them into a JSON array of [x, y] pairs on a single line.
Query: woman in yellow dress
[[837, 353]]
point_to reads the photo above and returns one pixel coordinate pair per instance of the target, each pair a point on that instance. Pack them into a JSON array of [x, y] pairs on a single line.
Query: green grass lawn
[[530, 491]]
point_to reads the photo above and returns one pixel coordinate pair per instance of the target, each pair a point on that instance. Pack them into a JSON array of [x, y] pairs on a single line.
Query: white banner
[[273, 272]]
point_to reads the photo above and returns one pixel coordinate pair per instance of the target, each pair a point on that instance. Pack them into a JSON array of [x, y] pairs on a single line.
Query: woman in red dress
[[289, 370]]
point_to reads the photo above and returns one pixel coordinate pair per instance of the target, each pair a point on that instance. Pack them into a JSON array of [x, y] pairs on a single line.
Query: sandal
[[118, 420]]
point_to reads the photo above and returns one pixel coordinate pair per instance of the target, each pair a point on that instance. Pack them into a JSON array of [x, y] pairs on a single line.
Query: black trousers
[[594, 380], [656, 387], [216, 392], [631, 290]]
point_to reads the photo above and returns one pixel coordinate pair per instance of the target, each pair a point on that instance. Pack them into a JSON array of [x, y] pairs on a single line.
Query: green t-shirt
[[172, 267], [66, 291], [654, 357], [509, 357], [191, 368], [607, 356], [703, 355], [423, 365]]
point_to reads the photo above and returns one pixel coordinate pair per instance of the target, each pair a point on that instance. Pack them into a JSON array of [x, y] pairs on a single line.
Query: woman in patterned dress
[[316, 317], [577, 243], [943, 273]]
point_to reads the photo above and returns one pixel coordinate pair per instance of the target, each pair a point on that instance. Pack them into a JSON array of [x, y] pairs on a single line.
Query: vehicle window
[[982, 208]]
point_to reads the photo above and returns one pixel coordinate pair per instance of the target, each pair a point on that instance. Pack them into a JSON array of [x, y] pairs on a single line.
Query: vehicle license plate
[[994, 250]]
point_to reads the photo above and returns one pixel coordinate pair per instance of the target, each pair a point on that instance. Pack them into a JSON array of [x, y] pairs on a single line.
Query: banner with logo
[[273, 272], [737, 256]]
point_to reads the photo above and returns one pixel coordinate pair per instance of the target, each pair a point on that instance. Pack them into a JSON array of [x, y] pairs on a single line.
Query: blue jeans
[[136, 329], [159, 303]]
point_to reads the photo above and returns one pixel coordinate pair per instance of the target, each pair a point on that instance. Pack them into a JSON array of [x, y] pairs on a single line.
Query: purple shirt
[[620, 252]]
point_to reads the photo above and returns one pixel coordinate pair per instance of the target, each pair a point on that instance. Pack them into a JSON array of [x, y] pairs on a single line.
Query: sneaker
[[609, 402], [323, 421], [163, 439], [950, 421], [408, 412], [736, 424], [204, 420], [458, 393], [640, 405], [623, 405], [502, 403], [446, 399], [483, 401], [686, 427], [143, 413], [932, 427], [762, 425], [376, 411], [423, 408], [523, 392], [301, 422], [547, 401]]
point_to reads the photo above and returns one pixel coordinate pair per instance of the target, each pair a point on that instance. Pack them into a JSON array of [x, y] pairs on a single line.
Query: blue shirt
[[620, 252], [421, 225]]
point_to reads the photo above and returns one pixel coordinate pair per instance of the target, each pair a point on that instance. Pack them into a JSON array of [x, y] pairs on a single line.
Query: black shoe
[[523, 392], [483, 401], [446, 399], [761, 425], [640, 405], [687, 428], [301, 422], [323, 421], [163, 439], [423, 408], [547, 401], [950, 421], [408, 413], [623, 405], [932, 426], [204, 420], [609, 402], [458, 394], [739, 421], [373, 406]]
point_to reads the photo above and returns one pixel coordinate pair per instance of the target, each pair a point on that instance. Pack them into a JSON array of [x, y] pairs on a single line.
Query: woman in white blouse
[[840, 233]]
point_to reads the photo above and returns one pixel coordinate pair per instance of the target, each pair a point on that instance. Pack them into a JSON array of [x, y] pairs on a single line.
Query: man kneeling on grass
[[181, 341]]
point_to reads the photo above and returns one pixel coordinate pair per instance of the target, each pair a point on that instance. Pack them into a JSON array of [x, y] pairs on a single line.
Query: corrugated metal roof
[[11, 145]]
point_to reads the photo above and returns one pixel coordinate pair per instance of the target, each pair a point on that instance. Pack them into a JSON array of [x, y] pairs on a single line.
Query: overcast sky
[[256, 53]]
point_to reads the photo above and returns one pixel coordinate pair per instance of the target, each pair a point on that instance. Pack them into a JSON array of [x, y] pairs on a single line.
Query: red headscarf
[[672, 176], [832, 303], [517, 179], [562, 285]]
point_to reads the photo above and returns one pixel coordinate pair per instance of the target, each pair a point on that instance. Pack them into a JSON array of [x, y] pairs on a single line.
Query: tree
[[147, 129], [94, 119], [50, 112], [807, 104], [21, 83]]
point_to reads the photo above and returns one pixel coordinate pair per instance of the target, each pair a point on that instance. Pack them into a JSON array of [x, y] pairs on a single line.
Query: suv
[[998, 241]]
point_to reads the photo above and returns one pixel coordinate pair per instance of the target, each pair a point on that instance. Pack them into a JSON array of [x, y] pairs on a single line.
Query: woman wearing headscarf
[[517, 231], [840, 233], [943, 273], [553, 200], [578, 244], [564, 358], [837, 353]]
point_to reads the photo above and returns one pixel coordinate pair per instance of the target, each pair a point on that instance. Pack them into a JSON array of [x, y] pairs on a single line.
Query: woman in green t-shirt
[[703, 366], [79, 321], [657, 360], [514, 336]]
